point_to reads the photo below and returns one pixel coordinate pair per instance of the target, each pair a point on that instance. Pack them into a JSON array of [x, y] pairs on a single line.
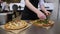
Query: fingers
[[48, 13], [42, 18]]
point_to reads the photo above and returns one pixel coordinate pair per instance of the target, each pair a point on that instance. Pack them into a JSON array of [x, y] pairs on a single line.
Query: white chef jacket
[[4, 6], [41, 2]]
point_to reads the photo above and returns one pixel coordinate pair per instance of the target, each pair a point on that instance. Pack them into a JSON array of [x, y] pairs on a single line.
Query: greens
[[45, 21]]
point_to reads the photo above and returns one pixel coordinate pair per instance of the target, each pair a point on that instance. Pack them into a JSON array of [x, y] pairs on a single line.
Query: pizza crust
[[15, 25]]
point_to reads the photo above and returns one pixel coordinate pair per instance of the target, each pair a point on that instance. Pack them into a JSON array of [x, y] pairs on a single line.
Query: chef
[[31, 11], [4, 5]]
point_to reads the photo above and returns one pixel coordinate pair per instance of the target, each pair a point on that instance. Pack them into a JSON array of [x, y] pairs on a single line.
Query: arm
[[38, 12], [41, 2], [31, 7]]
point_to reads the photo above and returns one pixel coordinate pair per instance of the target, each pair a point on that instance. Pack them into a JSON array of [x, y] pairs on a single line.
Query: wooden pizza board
[[16, 31]]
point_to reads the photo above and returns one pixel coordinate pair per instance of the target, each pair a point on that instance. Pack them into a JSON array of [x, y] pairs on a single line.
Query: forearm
[[43, 8], [45, 11], [31, 7]]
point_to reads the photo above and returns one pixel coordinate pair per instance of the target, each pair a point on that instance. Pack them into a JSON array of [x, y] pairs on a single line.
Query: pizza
[[15, 25], [43, 23]]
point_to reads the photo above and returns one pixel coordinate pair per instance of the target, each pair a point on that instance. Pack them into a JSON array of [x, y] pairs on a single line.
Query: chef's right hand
[[41, 16]]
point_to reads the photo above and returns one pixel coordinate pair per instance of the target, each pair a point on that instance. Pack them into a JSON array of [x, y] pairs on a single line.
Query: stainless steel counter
[[36, 30]]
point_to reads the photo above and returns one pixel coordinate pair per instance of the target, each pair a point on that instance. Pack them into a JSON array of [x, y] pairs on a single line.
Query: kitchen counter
[[36, 30]]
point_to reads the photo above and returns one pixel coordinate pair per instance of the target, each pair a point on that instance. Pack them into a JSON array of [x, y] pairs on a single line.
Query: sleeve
[[22, 3], [3, 5], [41, 2]]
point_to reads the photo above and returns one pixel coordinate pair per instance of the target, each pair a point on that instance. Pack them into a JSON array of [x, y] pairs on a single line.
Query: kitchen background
[[55, 16]]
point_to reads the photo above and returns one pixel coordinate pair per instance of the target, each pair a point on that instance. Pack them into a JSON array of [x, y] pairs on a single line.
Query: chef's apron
[[27, 14]]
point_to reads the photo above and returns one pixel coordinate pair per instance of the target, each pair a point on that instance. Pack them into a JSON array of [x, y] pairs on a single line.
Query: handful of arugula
[[43, 21]]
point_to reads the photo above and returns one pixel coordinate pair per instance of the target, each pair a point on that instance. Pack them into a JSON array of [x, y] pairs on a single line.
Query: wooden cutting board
[[16, 31]]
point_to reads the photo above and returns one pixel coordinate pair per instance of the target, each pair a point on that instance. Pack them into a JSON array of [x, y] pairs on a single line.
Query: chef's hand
[[47, 13], [1, 1], [41, 16]]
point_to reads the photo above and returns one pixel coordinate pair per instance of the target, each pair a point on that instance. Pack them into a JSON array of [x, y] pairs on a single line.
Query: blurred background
[[7, 9]]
